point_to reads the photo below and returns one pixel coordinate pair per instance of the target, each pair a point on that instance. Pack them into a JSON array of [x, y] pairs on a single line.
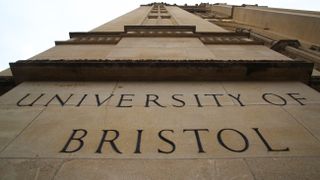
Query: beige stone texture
[[29, 168], [248, 168], [13, 121], [6, 72], [48, 134], [308, 116], [293, 24], [222, 9], [232, 169], [33, 140], [75, 52], [251, 93], [134, 17], [159, 21], [165, 90], [183, 17], [150, 21], [166, 22], [63, 89], [245, 52], [161, 49], [154, 169], [45, 138], [285, 168], [291, 10], [33, 135]]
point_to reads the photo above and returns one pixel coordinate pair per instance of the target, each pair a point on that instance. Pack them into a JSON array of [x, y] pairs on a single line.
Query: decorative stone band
[[193, 70], [149, 27], [159, 31], [92, 39], [228, 39]]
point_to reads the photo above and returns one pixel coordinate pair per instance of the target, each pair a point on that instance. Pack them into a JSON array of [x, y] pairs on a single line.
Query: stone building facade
[[164, 92]]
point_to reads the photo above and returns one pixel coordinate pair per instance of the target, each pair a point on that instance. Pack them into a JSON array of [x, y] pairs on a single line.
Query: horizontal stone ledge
[[160, 31], [180, 27], [193, 70], [152, 28]]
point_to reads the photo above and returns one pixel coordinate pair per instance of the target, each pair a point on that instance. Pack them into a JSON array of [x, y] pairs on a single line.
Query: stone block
[[245, 52], [29, 168], [308, 116], [155, 169], [75, 52], [293, 168], [14, 120]]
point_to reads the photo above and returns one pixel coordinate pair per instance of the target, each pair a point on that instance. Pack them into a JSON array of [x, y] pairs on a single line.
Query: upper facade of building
[[160, 32], [294, 33], [246, 114], [150, 42]]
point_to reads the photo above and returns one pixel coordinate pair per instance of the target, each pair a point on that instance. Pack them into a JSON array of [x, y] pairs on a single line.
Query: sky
[[29, 27]]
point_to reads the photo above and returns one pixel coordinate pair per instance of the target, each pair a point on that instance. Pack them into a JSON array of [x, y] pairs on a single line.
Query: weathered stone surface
[[285, 168], [67, 52], [47, 136], [232, 169], [251, 93], [248, 168], [268, 93], [29, 168], [13, 121], [181, 90], [63, 89], [245, 52], [160, 49], [284, 22], [183, 17], [134, 17], [308, 116], [155, 169], [234, 139], [160, 130], [137, 169]]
